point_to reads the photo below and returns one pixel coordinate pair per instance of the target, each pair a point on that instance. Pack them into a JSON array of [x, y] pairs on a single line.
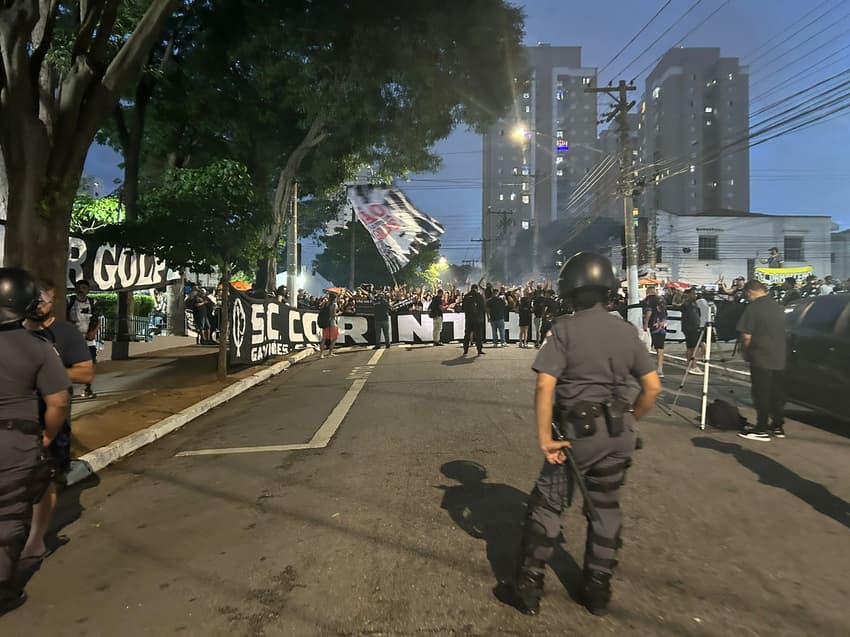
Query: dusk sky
[[805, 172]]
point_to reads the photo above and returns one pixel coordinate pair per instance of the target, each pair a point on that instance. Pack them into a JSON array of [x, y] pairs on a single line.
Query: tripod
[[709, 329]]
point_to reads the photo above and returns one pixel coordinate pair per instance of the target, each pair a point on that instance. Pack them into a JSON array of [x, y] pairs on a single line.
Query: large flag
[[398, 229]]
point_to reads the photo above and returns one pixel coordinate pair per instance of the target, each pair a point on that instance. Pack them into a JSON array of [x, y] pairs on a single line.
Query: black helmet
[[19, 295], [586, 270]]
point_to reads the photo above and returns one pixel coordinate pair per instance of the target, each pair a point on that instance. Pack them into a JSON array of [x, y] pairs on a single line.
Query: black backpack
[[324, 318], [724, 415]]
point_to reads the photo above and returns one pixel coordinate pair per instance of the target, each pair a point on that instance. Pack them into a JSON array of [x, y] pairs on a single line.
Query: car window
[[793, 313], [823, 313]]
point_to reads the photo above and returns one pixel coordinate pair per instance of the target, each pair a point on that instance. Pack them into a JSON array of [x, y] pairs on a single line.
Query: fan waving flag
[[398, 229]]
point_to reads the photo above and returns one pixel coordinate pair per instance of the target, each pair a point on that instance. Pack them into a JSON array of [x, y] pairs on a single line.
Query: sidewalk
[[139, 392]]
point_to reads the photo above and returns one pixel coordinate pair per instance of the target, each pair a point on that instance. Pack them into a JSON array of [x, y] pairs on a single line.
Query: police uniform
[[591, 354], [30, 367]]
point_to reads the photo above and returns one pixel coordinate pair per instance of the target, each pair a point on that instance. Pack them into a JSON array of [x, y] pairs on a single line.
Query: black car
[[818, 370]]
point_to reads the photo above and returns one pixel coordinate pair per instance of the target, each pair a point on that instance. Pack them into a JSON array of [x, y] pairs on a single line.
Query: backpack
[[724, 415], [324, 318]]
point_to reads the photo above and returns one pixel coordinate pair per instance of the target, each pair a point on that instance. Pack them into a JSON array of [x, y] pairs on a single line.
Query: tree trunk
[[175, 322], [224, 323]]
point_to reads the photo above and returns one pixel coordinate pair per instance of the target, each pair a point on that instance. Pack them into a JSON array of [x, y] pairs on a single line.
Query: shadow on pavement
[[460, 360], [495, 513], [68, 510], [820, 421], [777, 475]]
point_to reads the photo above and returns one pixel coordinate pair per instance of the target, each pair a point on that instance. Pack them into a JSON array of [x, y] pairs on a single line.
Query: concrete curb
[[94, 461]]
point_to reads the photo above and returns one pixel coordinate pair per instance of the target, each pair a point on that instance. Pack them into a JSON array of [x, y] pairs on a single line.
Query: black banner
[[260, 328], [109, 268]]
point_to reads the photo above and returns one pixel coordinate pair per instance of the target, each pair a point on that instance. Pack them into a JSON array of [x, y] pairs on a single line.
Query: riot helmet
[[587, 270], [19, 295]]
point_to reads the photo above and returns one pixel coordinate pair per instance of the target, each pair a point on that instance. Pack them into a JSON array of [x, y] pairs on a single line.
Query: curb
[[92, 462]]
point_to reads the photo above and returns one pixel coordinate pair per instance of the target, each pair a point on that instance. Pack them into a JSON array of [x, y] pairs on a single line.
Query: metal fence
[[142, 328]]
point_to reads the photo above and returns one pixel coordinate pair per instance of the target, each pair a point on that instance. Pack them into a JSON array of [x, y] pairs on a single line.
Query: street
[[392, 528]]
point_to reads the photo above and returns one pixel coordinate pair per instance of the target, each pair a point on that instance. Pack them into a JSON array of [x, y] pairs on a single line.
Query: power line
[[629, 43]]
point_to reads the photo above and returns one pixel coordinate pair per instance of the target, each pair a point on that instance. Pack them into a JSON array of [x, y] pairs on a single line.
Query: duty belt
[[24, 426]]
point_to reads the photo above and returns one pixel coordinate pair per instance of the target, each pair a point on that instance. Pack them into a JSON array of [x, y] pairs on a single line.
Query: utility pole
[[627, 187], [505, 222], [353, 248], [292, 250]]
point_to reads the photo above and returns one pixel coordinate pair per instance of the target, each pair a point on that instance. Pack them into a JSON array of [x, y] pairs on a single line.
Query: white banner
[[398, 229]]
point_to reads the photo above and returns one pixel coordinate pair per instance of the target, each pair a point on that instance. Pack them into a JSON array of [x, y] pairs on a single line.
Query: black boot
[[528, 589], [596, 591]]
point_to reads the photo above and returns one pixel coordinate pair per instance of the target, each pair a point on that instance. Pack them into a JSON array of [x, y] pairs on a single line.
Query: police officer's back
[[30, 368], [582, 369]]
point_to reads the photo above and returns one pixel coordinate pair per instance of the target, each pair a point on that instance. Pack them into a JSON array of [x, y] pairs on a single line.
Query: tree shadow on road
[[495, 513], [777, 475]]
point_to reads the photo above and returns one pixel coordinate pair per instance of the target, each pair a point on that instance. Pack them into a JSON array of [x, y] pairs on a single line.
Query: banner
[[108, 268], [778, 275], [398, 229], [260, 328]]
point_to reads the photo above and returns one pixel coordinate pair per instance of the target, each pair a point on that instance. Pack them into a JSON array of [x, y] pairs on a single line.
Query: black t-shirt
[[69, 343], [382, 311], [764, 319], [538, 305], [435, 310], [496, 306], [31, 366], [473, 306]]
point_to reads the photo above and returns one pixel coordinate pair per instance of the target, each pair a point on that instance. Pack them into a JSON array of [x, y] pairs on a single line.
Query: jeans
[[538, 320], [438, 329], [382, 326], [768, 396], [498, 331]]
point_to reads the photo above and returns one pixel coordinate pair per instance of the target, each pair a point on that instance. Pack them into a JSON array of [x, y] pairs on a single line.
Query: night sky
[[806, 172]]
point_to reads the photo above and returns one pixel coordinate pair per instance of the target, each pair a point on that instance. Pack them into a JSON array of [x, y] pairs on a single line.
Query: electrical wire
[[635, 37]]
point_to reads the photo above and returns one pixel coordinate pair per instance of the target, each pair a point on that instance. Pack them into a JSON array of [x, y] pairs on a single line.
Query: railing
[[141, 328]]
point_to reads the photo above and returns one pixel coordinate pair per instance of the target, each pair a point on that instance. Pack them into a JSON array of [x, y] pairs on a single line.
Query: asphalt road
[[394, 529]]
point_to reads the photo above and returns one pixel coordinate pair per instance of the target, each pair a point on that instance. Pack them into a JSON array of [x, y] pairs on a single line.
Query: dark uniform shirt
[[30, 367], [764, 319], [591, 353], [382, 311]]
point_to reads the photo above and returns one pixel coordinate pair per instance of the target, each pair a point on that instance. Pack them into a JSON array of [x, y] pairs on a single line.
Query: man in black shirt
[[496, 308], [382, 321], [435, 311], [473, 309], [762, 328], [791, 292], [72, 349]]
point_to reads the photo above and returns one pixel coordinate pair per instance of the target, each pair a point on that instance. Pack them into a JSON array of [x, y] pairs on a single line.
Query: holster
[[582, 416], [614, 411]]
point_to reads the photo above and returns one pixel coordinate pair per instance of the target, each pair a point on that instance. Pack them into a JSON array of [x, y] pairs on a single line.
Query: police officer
[[30, 368], [581, 371]]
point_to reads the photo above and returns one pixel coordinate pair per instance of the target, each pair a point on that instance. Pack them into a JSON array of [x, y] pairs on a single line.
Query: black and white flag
[[398, 229]]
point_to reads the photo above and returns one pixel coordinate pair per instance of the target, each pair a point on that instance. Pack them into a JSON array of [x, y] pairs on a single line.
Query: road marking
[[320, 439]]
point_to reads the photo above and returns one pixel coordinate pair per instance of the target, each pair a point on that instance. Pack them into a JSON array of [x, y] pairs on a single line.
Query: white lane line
[[320, 439]]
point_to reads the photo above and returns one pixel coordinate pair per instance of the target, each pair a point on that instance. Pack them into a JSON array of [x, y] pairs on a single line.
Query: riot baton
[[588, 503]]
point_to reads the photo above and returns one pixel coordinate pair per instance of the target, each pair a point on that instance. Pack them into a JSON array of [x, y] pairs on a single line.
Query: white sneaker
[[322, 355], [332, 354], [660, 373], [696, 371]]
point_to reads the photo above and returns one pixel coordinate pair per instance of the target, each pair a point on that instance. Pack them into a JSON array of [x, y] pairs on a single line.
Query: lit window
[[525, 186], [513, 196], [560, 172], [526, 96], [516, 170], [708, 122], [559, 95], [656, 92], [501, 197], [730, 76], [526, 199], [714, 184], [525, 224], [693, 168], [708, 109], [525, 171], [559, 160], [527, 108], [559, 133], [731, 182], [585, 81]]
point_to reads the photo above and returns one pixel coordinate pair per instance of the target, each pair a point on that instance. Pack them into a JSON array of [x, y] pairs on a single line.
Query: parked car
[[818, 370]]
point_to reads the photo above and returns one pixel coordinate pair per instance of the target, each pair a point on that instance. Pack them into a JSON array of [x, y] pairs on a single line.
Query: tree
[[89, 214], [204, 219], [310, 91], [63, 68], [334, 261]]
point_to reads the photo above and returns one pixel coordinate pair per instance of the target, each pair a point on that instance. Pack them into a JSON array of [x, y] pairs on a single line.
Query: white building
[[841, 254], [700, 248]]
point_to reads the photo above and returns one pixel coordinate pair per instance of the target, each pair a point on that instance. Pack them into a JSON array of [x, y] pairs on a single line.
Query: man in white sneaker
[[762, 328]]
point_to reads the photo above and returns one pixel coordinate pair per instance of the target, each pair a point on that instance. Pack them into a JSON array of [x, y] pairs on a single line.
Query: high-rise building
[[694, 120], [536, 155]]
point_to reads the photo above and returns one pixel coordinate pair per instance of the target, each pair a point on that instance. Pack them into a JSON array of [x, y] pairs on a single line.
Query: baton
[[588, 503]]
